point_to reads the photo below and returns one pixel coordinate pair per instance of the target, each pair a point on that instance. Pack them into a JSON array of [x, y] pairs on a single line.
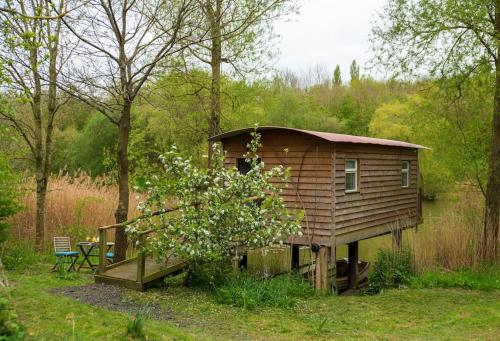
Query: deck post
[[352, 250], [295, 260], [397, 237], [102, 251], [141, 260]]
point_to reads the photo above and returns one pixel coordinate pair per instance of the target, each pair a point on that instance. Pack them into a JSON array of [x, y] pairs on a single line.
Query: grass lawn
[[193, 314]]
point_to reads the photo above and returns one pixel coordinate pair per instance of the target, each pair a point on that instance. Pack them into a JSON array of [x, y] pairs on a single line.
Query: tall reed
[[450, 239], [75, 207]]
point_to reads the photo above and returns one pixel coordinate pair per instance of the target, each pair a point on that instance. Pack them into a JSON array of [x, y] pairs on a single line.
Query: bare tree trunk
[[121, 213], [41, 181], [492, 216], [215, 64]]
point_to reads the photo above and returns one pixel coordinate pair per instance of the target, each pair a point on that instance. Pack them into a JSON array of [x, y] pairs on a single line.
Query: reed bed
[[451, 236], [75, 207]]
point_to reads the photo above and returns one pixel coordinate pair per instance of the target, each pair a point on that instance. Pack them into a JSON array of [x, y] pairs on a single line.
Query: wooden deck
[[125, 273]]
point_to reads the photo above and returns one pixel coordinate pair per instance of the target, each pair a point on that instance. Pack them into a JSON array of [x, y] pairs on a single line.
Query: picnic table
[[86, 249]]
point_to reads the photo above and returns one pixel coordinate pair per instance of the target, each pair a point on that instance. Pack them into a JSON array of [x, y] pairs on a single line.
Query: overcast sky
[[327, 32]]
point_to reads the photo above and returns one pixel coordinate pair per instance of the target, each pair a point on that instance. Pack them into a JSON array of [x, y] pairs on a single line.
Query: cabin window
[[405, 174], [243, 166], [351, 175]]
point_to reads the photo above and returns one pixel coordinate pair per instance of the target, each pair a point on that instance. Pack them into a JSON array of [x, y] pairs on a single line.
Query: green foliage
[[337, 77], [10, 328], [9, 195], [62, 270], [135, 326], [219, 209], [19, 257], [208, 275], [248, 292], [354, 71], [484, 279], [86, 149], [390, 270]]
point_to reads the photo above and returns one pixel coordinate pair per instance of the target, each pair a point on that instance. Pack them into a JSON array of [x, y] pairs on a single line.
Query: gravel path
[[112, 298]]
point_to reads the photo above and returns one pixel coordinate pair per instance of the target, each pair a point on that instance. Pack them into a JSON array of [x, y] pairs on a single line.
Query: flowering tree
[[217, 209]]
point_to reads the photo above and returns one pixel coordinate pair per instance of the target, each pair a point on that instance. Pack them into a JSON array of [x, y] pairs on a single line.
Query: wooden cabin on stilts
[[350, 187]]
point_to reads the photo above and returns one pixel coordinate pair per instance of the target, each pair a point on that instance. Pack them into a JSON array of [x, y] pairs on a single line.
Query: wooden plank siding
[[310, 187], [381, 204], [317, 184]]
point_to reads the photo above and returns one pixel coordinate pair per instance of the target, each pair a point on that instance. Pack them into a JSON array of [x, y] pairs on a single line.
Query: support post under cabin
[[352, 251], [397, 237], [321, 268], [295, 261]]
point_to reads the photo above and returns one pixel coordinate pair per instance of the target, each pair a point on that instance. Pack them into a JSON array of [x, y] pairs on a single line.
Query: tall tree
[[121, 44], [337, 77], [449, 39], [31, 60], [238, 33], [354, 71]]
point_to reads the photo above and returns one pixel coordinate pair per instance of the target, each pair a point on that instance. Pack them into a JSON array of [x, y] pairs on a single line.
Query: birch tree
[[121, 44]]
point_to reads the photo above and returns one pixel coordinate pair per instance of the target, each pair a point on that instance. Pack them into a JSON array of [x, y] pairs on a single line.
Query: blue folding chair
[[62, 249]]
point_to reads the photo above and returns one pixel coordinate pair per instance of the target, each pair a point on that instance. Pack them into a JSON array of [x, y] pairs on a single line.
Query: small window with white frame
[[351, 175], [405, 174]]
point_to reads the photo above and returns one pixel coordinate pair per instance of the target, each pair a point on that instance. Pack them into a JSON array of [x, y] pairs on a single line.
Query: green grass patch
[[249, 292], [194, 314], [485, 279]]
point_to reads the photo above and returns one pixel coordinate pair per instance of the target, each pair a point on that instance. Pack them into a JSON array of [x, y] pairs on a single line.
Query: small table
[[86, 250]]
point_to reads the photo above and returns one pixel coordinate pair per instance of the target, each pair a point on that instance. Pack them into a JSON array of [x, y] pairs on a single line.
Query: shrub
[[19, 257], [390, 270], [248, 292], [10, 329], [208, 274], [219, 209], [135, 327]]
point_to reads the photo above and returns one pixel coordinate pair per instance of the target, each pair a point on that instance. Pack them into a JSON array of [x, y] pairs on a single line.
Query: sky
[[327, 33]]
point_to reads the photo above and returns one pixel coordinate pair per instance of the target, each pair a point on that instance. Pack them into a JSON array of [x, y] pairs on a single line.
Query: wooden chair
[[62, 249]]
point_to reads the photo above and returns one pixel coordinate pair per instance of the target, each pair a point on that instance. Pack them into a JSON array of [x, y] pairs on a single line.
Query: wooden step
[[125, 274]]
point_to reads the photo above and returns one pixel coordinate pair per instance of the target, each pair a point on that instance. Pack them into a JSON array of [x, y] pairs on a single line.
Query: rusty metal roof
[[332, 137]]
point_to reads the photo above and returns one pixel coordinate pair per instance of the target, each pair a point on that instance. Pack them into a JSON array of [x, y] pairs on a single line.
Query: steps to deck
[[125, 273]]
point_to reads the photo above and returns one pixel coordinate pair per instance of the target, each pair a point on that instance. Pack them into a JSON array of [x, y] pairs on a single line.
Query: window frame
[[405, 172], [351, 171]]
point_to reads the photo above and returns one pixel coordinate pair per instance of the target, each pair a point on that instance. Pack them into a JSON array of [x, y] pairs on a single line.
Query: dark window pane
[[243, 166], [404, 179], [350, 181]]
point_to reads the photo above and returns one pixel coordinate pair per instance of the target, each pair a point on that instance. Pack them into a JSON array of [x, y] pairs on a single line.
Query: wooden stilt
[[333, 265], [321, 269], [397, 237], [352, 250], [295, 261]]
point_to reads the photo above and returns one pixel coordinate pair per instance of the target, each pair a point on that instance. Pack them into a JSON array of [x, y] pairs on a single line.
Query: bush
[[390, 270], [10, 329], [208, 274], [248, 292], [19, 257]]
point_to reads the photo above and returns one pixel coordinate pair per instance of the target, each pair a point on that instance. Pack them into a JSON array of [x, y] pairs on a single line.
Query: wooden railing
[[140, 258]]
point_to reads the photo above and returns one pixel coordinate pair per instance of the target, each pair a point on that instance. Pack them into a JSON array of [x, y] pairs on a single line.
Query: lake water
[[274, 260]]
